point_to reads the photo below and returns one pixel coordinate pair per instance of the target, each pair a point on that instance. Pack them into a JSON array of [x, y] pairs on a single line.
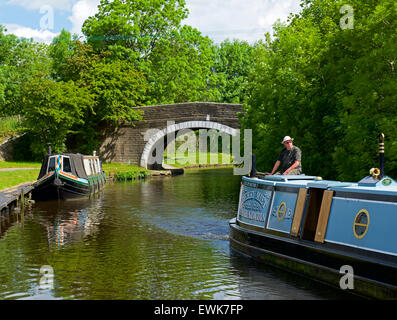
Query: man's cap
[[286, 138]]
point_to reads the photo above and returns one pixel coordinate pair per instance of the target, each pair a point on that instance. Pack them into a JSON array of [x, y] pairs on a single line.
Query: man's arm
[[295, 164], [275, 167]]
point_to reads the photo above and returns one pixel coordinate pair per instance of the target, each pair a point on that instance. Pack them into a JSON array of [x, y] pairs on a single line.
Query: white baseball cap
[[286, 138]]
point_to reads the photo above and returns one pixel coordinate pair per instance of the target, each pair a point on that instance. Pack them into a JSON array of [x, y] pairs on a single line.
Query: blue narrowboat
[[340, 233], [67, 176]]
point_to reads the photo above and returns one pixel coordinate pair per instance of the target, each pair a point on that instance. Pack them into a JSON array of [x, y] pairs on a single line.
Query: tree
[[50, 110], [332, 88], [133, 28], [175, 60], [19, 60], [180, 67], [363, 59], [115, 86], [233, 62], [61, 49]]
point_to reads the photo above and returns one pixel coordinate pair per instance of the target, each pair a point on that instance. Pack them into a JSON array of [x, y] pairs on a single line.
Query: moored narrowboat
[[340, 233], [68, 175]]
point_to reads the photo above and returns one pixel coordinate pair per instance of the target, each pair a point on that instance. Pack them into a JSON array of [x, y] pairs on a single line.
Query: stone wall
[[6, 148], [127, 143]]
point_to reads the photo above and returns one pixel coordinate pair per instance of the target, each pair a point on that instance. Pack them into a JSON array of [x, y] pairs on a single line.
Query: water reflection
[[74, 220], [164, 238]]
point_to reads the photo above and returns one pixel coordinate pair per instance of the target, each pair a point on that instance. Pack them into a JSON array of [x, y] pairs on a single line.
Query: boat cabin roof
[[76, 162], [384, 186]]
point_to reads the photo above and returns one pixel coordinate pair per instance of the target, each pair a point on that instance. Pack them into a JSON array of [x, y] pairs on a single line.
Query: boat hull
[[58, 187], [373, 277]]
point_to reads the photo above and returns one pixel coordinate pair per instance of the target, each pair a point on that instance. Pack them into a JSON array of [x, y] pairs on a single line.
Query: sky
[[246, 20]]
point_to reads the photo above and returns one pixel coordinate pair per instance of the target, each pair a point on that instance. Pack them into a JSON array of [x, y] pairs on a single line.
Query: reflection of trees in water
[[11, 217], [217, 187], [109, 247]]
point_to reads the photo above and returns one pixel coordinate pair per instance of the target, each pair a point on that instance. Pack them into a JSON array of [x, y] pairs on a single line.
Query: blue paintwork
[[254, 202], [259, 207], [381, 235], [280, 222]]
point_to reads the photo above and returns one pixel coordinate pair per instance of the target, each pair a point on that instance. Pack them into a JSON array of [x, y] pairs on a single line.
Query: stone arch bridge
[[134, 144]]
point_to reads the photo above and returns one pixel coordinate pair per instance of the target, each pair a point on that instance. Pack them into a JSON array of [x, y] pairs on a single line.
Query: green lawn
[[9, 164], [10, 179], [180, 160]]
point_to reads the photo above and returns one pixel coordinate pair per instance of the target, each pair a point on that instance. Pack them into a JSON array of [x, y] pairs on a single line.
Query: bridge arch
[[173, 128], [126, 142]]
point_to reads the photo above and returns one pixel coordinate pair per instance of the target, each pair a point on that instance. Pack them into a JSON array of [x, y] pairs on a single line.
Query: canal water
[[163, 238]]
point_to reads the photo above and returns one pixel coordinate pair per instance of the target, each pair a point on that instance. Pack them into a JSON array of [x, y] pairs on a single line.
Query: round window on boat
[[361, 224], [282, 209]]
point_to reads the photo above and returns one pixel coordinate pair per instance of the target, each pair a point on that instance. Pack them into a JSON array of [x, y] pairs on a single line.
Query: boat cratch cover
[[76, 163]]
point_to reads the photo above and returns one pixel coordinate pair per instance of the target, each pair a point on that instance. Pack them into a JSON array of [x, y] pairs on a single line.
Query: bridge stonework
[[130, 143]]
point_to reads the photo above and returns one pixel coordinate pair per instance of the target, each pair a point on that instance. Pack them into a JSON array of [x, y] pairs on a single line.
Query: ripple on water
[[155, 239]]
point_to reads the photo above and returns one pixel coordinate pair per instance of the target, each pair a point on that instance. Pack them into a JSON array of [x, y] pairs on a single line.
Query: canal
[[163, 238]]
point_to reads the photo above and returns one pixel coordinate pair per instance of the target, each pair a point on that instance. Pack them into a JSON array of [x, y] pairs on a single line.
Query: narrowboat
[[67, 176], [340, 233]]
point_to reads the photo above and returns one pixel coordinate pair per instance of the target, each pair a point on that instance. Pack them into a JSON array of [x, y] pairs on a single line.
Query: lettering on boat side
[[282, 211], [253, 205], [347, 280], [251, 184]]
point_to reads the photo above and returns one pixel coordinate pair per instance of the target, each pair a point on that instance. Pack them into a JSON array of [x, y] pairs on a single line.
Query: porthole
[[361, 224], [282, 209]]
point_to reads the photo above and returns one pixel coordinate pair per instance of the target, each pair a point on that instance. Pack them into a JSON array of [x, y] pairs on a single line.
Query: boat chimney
[[253, 166], [49, 148], [381, 155]]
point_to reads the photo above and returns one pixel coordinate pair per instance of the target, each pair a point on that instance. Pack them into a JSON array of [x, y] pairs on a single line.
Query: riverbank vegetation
[[10, 179], [8, 128], [124, 172], [326, 77], [113, 171], [196, 159]]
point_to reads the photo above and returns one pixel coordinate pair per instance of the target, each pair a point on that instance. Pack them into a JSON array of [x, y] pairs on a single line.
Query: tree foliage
[[50, 110], [233, 62], [133, 28], [176, 60], [331, 88]]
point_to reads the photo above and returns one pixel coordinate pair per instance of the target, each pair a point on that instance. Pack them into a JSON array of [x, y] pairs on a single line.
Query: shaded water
[[164, 238]]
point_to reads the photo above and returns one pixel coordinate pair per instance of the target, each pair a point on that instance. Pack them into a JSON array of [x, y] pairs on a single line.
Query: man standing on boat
[[289, 158]]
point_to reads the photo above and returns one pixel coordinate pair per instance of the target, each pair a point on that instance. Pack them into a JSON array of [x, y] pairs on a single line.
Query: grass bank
[[9, 164], [198, 159], [124, 172], [10, 179], [114, 171]]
